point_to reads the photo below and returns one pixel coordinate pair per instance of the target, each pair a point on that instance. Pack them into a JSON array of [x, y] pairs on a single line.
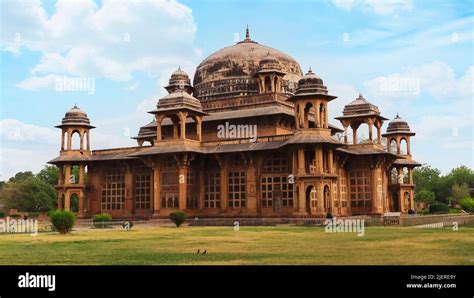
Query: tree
[[22, 176], [425, 177], [49, 175], [29, 195], [425, 196], [459, 192]]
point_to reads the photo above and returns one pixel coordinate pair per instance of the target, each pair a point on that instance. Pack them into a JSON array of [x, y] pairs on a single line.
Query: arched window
[[394, 176], [275, 85], [403, 146], [75, 140], [307, 110], [393, 146], [268, 85]]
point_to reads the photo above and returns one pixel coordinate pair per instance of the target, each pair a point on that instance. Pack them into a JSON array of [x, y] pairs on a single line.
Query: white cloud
[[381, 7], [436, 79], [36, 83], [18, 138], [113, 40]]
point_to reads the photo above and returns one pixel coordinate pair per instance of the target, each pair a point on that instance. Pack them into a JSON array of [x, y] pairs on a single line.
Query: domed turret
[[360, 111], [179, 80], [75, 117], [398, 125], [311, 83], [360, 106]]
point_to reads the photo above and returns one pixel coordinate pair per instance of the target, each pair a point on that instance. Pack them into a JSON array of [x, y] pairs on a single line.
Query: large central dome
[[232, 70]]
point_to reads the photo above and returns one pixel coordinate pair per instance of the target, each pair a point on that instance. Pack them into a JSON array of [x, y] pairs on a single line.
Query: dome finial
[[247, 33], [398, 117]]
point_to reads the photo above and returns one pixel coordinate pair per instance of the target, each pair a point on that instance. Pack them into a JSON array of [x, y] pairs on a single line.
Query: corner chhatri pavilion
[[294, 166]]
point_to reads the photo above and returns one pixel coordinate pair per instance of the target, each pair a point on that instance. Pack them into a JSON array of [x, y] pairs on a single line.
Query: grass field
[[249, 245]]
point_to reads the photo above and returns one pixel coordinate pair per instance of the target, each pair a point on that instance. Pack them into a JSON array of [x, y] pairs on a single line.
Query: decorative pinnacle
[[247, 33], [397, 116]]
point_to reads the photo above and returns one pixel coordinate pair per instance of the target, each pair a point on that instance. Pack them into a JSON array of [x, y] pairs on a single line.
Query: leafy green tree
[[459, 192], [22, 176], [461, 175], [29, 195], [425, 196], [49, 175]]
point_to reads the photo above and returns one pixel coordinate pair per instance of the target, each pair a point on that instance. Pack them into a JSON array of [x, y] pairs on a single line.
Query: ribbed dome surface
[[231, 71]]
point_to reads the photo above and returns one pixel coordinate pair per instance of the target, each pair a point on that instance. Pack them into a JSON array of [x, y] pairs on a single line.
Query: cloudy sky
[[406, 56]]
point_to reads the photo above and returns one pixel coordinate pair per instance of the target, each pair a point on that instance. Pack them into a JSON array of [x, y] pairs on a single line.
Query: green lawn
[[250, 245]]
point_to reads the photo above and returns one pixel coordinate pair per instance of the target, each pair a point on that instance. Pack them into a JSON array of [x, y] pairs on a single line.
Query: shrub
[[178, 217], [62, 221], [467, 204], [439, 208], [101, 220], [15, 215], [2, 214]]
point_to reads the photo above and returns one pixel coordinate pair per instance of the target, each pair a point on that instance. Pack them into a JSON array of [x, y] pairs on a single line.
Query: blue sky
[[131, 48]]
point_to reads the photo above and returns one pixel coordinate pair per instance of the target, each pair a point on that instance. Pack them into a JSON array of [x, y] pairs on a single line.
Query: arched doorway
[[406, 200], [396, 205], [74, 202], [311, 198], [327, 202]]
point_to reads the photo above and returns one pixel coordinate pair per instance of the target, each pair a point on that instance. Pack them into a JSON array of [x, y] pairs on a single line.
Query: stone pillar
[[317, 114], [198, 120], [67, 201], [251, 187], [345, 134], [62, 138], [301, 162], [398, 145], [370, 132], [408, 145], [156, 189], [202, 187], [158, 128], [182, 118], [301, 198], [88, 142], [81, 174], [354, 135], [379, 129], [224, 183], [330, 161], [80, 209], [410, 175], [81, 140], [319, 162], [69, 139], [128, 207], [183, 170], [67, 175], [320, 195], [326, 121]]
